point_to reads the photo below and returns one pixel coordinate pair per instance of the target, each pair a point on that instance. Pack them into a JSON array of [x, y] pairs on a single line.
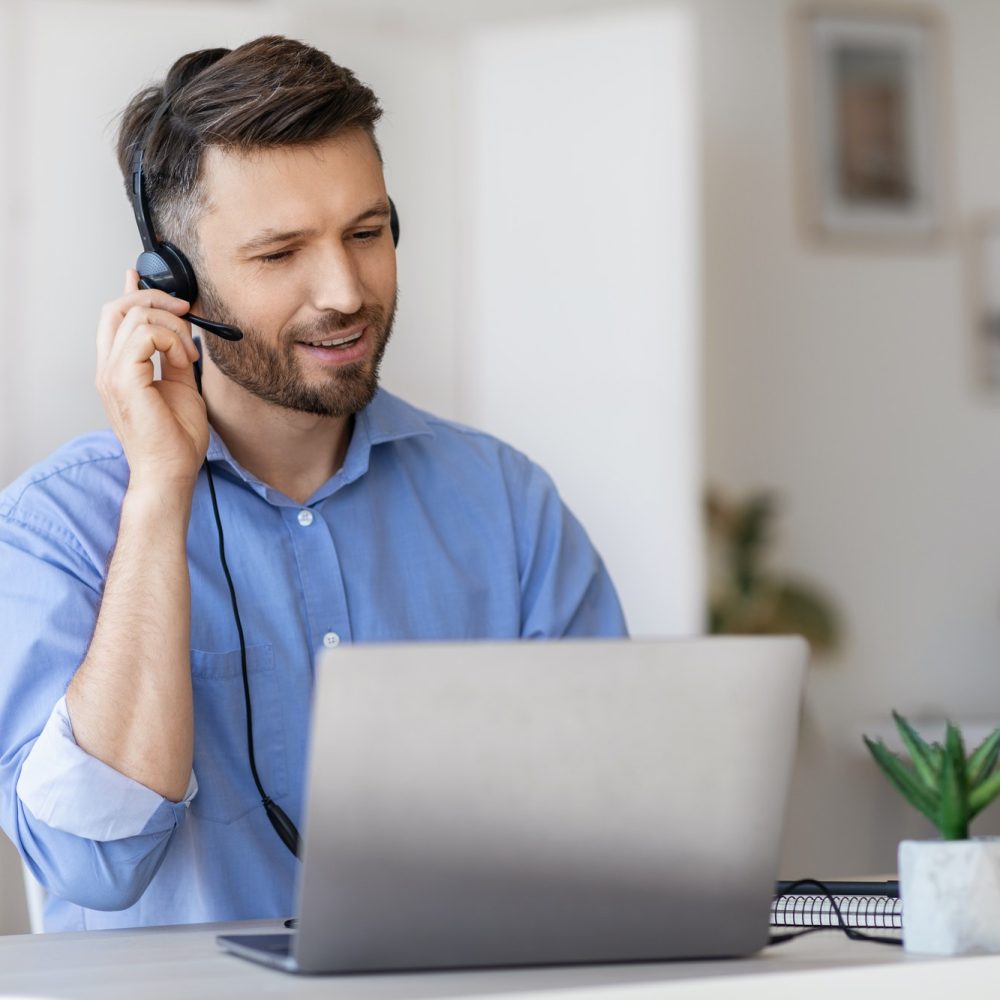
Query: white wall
[[844, 380], [581, 291]]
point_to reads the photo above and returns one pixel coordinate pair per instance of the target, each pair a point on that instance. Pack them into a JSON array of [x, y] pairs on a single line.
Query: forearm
[[130, 702]]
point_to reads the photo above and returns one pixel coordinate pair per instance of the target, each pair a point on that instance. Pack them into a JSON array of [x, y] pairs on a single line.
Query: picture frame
[[870, 113]]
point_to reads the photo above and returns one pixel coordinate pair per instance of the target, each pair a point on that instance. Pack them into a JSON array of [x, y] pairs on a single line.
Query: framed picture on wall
[[869, 86]]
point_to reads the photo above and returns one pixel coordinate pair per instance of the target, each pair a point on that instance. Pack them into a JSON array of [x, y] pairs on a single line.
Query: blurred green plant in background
[[745, 596]]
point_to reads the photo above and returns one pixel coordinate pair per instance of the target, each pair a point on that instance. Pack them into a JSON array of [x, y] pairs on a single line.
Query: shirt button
[[331, 639], [305, 518]]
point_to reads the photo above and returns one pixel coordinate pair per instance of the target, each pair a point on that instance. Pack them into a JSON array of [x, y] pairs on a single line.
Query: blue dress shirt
[[430, 530]]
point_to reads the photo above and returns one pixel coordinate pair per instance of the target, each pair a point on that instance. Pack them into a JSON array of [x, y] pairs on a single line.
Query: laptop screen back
[[509, 803]]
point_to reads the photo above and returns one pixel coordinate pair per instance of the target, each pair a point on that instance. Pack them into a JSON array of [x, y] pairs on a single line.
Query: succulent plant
[[945, 785]]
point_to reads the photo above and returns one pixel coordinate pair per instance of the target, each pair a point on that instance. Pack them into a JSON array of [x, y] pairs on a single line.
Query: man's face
[[295, 250]]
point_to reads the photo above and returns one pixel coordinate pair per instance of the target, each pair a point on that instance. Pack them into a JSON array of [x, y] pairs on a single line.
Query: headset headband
[[140, 200]]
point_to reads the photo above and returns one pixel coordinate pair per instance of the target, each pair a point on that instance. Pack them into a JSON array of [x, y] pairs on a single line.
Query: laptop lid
[[509, 803]]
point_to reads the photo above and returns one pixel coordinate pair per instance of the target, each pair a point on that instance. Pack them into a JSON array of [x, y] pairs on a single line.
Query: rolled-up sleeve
[[67, 789], [89, 834]]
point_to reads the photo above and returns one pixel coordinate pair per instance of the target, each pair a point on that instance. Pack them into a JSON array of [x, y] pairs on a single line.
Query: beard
[[273, 372]]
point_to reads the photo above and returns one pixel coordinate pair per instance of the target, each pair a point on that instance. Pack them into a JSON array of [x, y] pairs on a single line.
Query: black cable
[[852, 932], [279, 819]]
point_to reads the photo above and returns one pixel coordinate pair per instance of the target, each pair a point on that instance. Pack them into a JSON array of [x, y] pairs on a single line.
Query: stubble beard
[[272, 372]]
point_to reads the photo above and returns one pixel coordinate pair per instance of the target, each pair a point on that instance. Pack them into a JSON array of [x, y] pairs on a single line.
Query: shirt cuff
[[67, 789]]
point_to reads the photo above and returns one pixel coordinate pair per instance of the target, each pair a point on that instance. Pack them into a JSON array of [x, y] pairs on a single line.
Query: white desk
[[185, 963]]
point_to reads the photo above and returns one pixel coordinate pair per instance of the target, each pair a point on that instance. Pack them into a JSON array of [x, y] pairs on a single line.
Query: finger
[[169, 372], [130, 365], [153, 298], [139, 316], [113, 313], [148, 298], [160, 317], [134, 361], [111, 316], [106, 327]]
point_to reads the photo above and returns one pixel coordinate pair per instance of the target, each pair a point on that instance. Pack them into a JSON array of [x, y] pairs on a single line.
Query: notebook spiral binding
[[857, 911]]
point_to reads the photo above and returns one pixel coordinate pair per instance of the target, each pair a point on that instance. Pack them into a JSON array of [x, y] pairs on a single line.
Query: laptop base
[[274, 950]]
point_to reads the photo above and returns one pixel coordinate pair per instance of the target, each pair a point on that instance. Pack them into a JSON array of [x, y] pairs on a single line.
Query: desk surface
[[185, 962]]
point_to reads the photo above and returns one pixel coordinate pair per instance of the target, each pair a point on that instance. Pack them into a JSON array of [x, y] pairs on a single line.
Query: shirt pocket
[[226, 789]]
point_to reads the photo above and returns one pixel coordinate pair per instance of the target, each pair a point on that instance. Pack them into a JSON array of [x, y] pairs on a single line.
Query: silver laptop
[[550, 802]]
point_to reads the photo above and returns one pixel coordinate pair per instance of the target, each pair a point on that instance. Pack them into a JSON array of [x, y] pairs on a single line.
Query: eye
[[368, 235], [273, 258]]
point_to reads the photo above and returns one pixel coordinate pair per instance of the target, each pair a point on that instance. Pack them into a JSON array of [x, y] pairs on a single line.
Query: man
[[127, 779]]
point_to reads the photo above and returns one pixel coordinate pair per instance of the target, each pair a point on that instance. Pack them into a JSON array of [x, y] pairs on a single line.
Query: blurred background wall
[[602, 260], [846, 379]]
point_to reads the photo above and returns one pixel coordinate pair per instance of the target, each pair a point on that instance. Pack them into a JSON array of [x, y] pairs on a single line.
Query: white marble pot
[[951, 895]]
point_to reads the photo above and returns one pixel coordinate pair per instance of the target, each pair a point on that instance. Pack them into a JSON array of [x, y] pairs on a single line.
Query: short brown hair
[[273, 91]]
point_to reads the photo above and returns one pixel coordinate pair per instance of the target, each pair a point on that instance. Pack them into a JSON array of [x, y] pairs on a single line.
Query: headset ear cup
[[168, 270], [180, 267]]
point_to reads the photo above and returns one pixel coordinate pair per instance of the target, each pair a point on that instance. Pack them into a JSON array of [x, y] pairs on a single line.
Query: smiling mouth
[[341, 342]]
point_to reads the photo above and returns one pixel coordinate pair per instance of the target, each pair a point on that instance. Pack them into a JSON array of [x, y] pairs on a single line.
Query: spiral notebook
[[881, 908]]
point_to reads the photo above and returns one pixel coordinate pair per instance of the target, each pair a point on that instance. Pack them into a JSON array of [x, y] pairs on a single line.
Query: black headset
[[164, 267]]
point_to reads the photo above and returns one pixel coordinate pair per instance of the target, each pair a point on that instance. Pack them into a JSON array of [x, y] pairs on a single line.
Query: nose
[[336, 283]]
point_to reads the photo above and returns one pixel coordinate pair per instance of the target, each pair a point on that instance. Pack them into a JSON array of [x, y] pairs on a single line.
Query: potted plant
[[747, 596], [950, 888]]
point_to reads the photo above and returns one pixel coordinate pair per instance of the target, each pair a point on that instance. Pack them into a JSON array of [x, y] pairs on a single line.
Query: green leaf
[[753, 521], [804, 610], [920, 752], [911, 787], [984, 759], [983, 794], [953, 816]]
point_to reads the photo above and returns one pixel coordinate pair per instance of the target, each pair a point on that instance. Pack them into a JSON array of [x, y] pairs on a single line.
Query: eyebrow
[[269, 236]]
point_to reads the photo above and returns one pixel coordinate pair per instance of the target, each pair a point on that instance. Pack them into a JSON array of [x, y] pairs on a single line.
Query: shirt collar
[[386, 418]]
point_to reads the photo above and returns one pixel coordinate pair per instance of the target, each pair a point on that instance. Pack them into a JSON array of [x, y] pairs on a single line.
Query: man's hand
[[162, 424]]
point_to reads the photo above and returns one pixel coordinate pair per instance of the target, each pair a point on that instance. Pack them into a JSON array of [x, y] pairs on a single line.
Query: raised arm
[[130, 702]]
